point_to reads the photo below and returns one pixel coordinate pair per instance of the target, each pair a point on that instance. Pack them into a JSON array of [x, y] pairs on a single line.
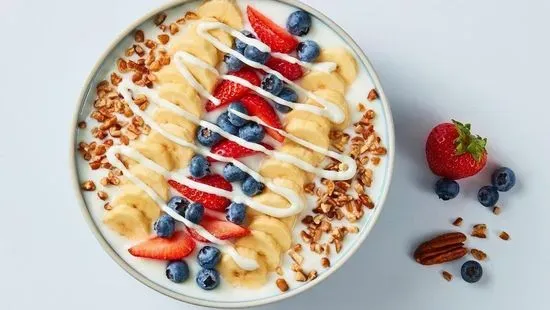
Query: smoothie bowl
[[232, 153]]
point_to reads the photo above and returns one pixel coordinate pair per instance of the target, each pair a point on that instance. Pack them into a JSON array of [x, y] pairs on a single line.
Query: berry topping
[[194, 212], [258, 106], [289, 70], [272, 84], [208, 279], [199, 166], [228, 91], [177, 271], [251, 187], [209, 201], [224, 123], [164, 226], [252, 132], [233, 63], [232, 173], [287, 94], [503, 179], [453, 152], [471, 271], [240, 45], [254, 54], [179, 204], [207, 137], [177, 247], [236, 213], [275, 36], [446, 189], [298, 23], [220, 229], [488, 196], [228, 148], [234, 118], [209, 257], [308, 51]]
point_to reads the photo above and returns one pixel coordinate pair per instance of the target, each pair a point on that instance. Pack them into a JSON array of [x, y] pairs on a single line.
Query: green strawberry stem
[[469, 143]]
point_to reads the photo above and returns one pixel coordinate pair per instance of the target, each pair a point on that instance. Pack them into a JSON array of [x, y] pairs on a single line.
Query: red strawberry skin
[[228, 148], [275, 36], [209, 201], [220, 229], [177, 247], [228, 91], [289, 70], [442, 156], [258, 106]]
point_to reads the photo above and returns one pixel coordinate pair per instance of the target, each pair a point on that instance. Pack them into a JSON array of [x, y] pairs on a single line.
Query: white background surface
[[486, 62]]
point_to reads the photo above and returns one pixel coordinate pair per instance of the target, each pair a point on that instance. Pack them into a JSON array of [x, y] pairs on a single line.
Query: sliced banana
[[347, 66], [127, 221], [180, 155], [321, 80], [132, 195], [184, 97], [265, 245], [273, 227], [309, 131], [152, 179], [226, 11], [171, 74], [156, 152], [302, 152], [338, 99], [273, 200], [232, 273], [164, 116], [273, 169]]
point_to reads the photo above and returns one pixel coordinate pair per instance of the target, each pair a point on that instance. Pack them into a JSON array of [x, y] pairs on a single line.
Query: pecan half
[[441, 249]]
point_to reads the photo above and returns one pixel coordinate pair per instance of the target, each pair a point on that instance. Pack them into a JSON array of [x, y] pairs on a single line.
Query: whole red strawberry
[[453, 152]]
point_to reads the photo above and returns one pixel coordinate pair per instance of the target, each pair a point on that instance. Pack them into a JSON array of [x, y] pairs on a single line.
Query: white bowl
[[384, 124]]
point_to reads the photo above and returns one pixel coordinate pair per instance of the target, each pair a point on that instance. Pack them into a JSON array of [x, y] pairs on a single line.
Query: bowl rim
[[390, 145]]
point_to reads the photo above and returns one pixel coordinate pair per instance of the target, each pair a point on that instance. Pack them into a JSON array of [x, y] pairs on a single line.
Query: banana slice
[[155, 152], [171, 74], [265, 245], [222, 36], [190, 41], [132, 195], [128, 221], [275, 200], [273, 227], [347, 66], [164, 116], [309, 131], [321, 80], [180, 155], [183, 96], [232, 273], [338, 99], [302, 152], [226, 11], [273, 169], [152, 179]]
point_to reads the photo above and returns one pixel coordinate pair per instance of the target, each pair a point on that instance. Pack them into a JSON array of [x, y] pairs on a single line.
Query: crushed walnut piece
[[282, 285], [300, 276], [458, 221], [497, 210], [478, 254], [479, 231], [447, 275], [504, 236], [325, 262], [102, 195], [88, 186], [373, 95], [160, 18]]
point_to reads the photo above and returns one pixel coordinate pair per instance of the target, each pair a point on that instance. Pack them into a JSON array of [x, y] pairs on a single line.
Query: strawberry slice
[[220, 229], [209, 201], [270, 33], [228, 148], [258, 106], [289, 70], [228, 91], [177, 247]]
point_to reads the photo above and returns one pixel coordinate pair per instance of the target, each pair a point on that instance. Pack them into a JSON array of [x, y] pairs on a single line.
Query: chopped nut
[[479, 231], [300, 276], [308, 219], [305, 237], [130, 51], [312, 275], [82, 124], [282, 285], [107, 206], [88, 186], [297, 247], [446, 275], [373, 95], [163, 38], [504, 236], [139, 36], [181, 21], [102, 195], [124, 139], [478, 254], [95, 165], [295, 267], [160, 18], [337, 245], [325, 262], [458, 221], [299, 259], [139, 50], [174, 28], [104, 181], [353, 229], [191, 15], [279, 270], [361, 107], [497, 210]]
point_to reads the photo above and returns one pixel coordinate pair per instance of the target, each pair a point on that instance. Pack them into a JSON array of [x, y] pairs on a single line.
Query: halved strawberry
[[270, 33], [228, 148], [209, 201], [220, 229], [178, 246], [289, 70], [258, 106], [228, 91]]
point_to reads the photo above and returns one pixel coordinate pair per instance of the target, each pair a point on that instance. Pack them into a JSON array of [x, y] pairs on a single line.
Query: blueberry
[[240, 45], [255, 54], [199, 166], [224, 123], [164, 226], [488, 196], [446, 189], [287, 94], [503, 179], [233, 63], [209, 257], [208, 279], [177, 271], [252, 132], [179, 204], [272, 84], [194, 212], [207, 137], [236, 213], [233, 118], [471, 271], [232, 173], [298, 23], [251, 187], [308, 51]]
